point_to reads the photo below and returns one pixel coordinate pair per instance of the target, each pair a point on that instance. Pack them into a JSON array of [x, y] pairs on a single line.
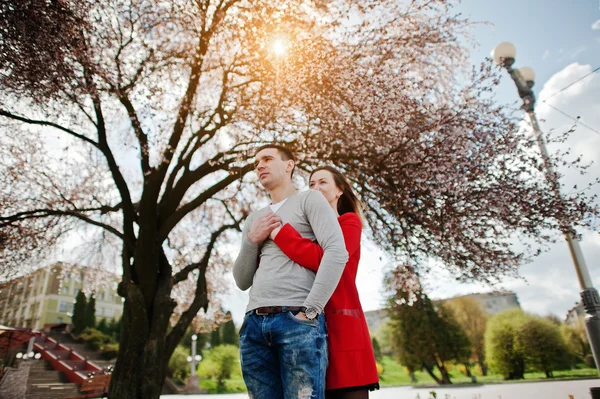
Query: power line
[[566, 87], [578, 120]]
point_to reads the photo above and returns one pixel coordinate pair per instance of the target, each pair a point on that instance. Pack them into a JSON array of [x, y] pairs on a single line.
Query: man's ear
[[290, 165]]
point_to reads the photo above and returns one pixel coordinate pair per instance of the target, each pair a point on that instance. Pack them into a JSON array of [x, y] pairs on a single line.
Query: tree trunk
[[132, 378], [445, 375], [467, 369], [483, 367], [432, 374], [143, 357], [518, 371]]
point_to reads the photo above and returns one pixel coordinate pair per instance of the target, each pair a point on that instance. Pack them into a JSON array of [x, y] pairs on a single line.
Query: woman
[[352, 372]]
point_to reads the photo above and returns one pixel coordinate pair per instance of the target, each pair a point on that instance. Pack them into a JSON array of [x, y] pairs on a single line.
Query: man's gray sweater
[[278, 281]]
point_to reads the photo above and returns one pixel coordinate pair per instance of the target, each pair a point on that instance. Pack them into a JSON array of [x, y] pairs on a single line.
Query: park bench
[[94, 387]]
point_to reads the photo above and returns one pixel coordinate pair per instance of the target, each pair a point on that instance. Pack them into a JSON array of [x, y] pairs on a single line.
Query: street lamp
[[193, 385], [504, 54]]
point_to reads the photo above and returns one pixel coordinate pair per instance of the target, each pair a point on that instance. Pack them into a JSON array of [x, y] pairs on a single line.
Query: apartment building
[[46, 296], [575, 315]]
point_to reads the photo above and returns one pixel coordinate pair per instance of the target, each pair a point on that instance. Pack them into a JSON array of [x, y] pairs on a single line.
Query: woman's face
[[322, 180]]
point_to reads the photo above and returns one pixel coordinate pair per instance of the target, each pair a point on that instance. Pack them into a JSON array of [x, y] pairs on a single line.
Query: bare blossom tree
[[138, 119]]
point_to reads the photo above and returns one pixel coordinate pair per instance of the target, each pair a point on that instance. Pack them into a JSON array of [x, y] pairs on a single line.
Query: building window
[[59, 320], [62, 307], [64, 289]]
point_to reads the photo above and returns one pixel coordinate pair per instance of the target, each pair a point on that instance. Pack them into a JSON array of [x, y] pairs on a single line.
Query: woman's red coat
[[351, 358]]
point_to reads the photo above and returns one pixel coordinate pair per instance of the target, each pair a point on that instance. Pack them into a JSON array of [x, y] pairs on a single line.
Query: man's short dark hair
[[285, 153]]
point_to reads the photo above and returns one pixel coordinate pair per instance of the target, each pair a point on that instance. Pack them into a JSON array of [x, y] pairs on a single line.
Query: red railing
[[62, 358]]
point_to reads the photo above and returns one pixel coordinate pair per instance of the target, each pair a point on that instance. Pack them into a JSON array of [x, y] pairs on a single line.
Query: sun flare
[[279, 46]]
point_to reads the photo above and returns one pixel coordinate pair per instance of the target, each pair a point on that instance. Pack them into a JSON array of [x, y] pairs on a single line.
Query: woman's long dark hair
[[348, 201]]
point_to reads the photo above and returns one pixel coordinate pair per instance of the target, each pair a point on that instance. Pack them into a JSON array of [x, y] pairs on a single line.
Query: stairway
[[47, 383], [77, 346]]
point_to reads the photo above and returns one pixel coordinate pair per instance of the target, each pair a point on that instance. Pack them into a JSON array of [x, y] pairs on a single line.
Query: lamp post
[[193, 384], [504, 54]]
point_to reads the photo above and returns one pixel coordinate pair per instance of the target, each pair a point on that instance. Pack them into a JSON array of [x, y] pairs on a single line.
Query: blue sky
[[548, 34], [556, 39]]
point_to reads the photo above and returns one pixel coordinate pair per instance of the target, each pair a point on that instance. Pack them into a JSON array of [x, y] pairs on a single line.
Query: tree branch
[[201, 295], [43, 213], [137, 128], [128, 208], [10, 115], [195, 74], [176, 217], [201, 136], [172, 198], [183, 273]]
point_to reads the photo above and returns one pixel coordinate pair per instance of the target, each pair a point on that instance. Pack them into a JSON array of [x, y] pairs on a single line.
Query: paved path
[[523, 390]]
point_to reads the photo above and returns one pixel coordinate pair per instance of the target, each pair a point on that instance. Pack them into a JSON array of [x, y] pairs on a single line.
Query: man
[[283, 341]]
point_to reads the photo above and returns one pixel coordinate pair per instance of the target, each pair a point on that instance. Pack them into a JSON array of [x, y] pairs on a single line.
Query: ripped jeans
[[283, 356]]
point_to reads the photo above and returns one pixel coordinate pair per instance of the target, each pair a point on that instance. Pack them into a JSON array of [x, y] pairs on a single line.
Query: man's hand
[[262, 227], [301, 315]]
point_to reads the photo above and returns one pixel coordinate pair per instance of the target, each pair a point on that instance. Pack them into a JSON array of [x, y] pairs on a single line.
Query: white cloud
[[596, 25], [579, 100]]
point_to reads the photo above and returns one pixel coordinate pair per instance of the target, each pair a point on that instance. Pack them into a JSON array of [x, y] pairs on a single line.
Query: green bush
[[94, 339], [543, 345], [178, 365], [577, 342], [110, 351], [503, 355], [517, 342], [220, 364]]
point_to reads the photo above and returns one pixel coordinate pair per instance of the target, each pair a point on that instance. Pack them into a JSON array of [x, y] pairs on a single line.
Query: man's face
[[271, 169]]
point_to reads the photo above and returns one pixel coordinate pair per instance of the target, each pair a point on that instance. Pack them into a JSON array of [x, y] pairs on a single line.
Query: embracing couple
[[304, 333]]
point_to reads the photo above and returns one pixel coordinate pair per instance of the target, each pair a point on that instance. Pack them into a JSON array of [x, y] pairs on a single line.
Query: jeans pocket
[[307, 322]]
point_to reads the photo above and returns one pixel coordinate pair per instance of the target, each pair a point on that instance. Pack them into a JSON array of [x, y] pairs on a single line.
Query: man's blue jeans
[[283, 356]]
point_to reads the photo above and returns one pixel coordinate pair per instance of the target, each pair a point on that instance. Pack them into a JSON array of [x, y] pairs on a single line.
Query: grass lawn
[[395, 374]]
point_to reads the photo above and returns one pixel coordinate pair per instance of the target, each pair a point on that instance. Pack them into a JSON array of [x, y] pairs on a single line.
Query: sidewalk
[[543, 390]]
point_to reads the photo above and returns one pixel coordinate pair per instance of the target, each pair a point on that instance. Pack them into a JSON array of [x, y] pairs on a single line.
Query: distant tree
[[473, 319], [229, 333], [544, 347], [426, 336], [215, 337], [384, 338], [554, 319], [90, 312], [104, 327], [115, 327], [376, 349], [503, 355], [78, 318], [517, 341], [577, 340]]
